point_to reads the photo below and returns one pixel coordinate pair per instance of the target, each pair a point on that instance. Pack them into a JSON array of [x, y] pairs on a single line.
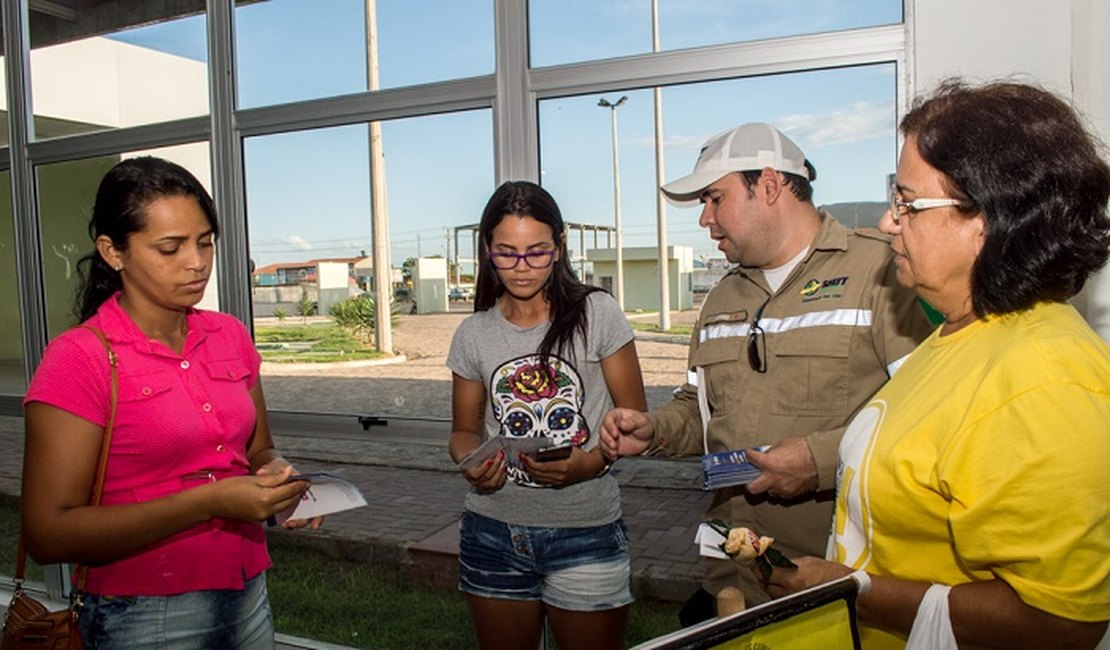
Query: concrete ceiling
[[59, 21]]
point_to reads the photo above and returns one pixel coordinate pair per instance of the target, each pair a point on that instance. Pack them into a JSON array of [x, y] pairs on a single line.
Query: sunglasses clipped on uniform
[[757, 342]]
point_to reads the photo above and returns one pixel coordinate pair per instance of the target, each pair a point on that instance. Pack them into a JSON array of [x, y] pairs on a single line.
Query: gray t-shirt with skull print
[[566, 403]]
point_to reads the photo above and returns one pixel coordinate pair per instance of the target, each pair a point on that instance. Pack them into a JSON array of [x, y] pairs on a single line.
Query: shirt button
[[146, 390], [185, 365], [220, 448], [207, 407]]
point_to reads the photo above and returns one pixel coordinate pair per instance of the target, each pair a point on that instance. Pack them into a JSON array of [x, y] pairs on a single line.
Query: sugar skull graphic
[[532, 401]]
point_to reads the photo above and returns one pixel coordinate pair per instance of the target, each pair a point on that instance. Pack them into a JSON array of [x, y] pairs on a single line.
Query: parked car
[[460, 293]]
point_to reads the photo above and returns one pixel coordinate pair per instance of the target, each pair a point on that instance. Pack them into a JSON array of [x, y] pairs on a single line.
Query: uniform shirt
[[833, 333], [520, 402], [182, 419], [985, 457]]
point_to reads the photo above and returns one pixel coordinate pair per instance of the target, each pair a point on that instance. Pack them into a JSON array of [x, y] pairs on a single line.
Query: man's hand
[[625, 432], [788, 467]]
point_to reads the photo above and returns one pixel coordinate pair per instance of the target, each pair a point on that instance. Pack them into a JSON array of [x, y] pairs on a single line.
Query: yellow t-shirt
[[986, 456]]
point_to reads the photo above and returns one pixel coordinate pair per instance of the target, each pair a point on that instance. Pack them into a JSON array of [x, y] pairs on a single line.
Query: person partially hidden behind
[[973, 486], [175, 552], [788, 345]]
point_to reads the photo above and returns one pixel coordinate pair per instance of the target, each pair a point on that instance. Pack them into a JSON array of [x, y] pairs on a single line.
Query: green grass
[[316, 343], [315, 596], [683, 330]]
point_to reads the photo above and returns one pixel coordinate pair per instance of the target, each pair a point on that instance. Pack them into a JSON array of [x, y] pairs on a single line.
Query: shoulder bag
[[28, 625]]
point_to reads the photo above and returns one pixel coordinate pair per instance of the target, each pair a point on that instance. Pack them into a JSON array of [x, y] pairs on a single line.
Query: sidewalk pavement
[[415, 498]]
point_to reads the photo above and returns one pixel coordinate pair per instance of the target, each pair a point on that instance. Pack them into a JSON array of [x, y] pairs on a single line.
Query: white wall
[[1059, 44]]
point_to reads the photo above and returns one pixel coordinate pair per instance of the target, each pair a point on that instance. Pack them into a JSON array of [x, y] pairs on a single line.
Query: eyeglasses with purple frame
[[506, 261]]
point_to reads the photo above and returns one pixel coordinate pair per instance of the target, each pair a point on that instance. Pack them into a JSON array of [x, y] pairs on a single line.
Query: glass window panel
[[129, 75], [293, 50], [849, 135], [12, 381], [66, 192], [308, 211], [568, 31]]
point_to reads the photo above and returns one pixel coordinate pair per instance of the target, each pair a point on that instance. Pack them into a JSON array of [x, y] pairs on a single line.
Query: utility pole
[[613, 106], [660, 201], [379, 207]]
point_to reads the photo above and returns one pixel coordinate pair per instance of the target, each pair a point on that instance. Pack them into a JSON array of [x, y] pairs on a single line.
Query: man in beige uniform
[[788, 345]]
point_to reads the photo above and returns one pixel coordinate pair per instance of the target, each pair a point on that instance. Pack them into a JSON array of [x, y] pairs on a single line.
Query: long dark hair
[[121, 201], [1022, 157], [565, 294]]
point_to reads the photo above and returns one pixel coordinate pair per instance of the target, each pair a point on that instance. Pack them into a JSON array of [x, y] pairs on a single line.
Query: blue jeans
[[200, 620], [578, 569]]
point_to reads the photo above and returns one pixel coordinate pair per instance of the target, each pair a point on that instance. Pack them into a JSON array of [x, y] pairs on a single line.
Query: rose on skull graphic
[[532, 400]]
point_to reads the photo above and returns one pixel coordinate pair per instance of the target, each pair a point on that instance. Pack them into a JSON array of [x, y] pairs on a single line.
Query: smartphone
[[549, 454]]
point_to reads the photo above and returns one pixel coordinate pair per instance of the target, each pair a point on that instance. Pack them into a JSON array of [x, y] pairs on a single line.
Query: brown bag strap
[[101, 465]]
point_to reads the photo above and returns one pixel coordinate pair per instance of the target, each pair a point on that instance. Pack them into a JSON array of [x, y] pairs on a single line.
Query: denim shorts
[[216, 618], [578, 569]]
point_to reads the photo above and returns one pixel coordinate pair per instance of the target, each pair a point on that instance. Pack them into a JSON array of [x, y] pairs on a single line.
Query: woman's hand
[[256, 497], [811, 571], [489, 476], [276, 466], [579, 466]]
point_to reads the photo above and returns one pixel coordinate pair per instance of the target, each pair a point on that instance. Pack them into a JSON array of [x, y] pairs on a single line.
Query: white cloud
[[863, 121], [296, 242]]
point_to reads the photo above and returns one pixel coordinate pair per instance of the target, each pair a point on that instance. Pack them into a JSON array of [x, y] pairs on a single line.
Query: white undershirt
[[776, 276]]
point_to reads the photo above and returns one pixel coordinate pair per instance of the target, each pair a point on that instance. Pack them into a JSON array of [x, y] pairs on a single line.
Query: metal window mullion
[[775, 56], [26, 226], [227, 164], [117, 141], [26, 221], [360, 108], [515, 125]]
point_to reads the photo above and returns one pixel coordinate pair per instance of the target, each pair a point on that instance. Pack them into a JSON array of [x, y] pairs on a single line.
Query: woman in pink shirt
[[175, 551]]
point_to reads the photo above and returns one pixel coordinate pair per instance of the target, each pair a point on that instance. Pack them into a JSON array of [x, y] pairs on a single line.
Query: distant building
[[641, 275]]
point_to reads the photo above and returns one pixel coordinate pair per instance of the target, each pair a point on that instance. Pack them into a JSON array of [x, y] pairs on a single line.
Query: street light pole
[[613, 106]]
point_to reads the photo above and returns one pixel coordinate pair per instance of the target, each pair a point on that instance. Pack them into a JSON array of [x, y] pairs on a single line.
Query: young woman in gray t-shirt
[[537, 365]]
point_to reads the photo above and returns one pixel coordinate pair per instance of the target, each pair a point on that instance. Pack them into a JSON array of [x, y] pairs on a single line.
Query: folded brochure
[[512, 447], [326, 495], [728, 468]]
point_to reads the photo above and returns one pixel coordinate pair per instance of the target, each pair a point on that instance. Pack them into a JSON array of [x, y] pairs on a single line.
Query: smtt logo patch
[[824, 289]]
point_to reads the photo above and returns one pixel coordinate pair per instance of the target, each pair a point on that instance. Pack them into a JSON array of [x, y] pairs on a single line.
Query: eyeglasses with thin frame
[[506, 261], [757, 342], [900, 208]]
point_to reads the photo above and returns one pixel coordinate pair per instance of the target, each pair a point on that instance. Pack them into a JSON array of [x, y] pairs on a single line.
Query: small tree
[[355, 315], [280, 314], [305, 307]]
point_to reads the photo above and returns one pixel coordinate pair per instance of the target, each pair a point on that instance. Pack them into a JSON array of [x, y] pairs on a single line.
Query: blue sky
[[308, 192]]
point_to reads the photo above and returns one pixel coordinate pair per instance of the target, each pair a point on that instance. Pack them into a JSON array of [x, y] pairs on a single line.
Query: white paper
[[328, 494], [709, 542]]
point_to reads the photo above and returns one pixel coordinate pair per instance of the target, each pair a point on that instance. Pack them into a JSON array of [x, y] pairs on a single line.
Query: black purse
[[28, 624]]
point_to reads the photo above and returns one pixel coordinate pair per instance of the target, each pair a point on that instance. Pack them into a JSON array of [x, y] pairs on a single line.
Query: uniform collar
[[831, 236]]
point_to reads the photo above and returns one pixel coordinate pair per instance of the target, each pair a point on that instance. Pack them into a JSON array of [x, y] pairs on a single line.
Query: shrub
[[355, 315], [305, 307]]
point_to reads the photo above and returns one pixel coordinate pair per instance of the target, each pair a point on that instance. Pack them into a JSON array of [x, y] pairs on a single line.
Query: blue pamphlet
[[728, 468]]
